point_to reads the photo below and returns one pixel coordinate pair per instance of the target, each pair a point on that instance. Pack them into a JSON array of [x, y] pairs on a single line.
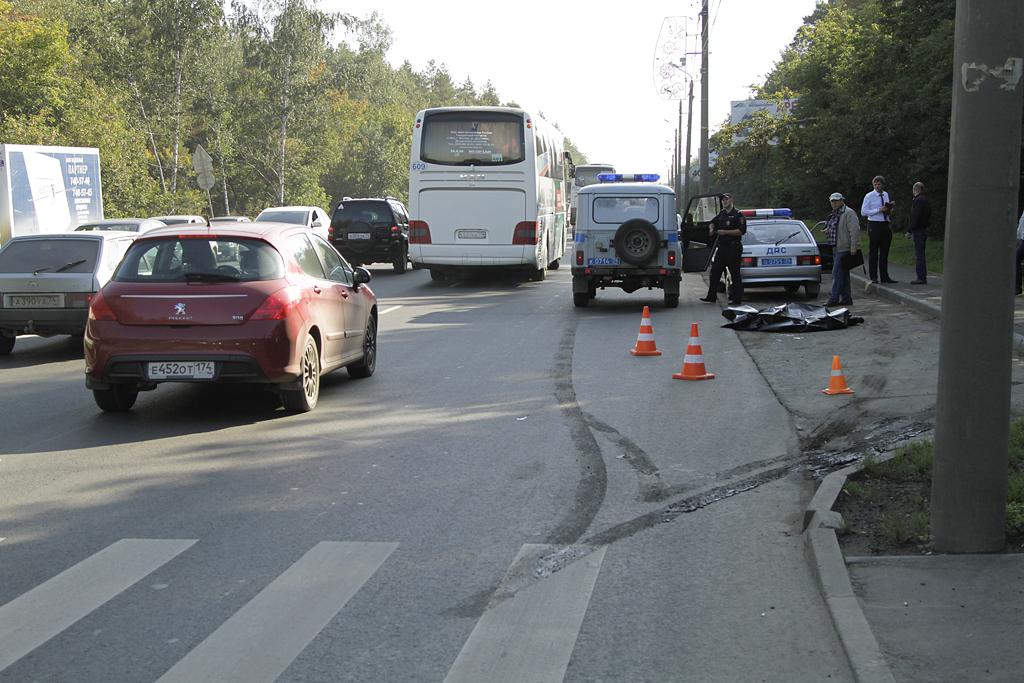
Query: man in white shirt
[[876, 207]]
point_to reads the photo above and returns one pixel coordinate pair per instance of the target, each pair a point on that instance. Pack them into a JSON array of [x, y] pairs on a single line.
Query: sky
[[589, 66]]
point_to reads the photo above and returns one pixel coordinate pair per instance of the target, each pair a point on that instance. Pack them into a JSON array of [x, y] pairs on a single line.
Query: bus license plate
[[776, 261], [189, 369], [604, 261], [35, 301], [359, 235], [472, 234]]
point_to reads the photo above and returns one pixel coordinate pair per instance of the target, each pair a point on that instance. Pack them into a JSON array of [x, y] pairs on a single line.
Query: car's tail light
[[79, 299], [99, 309], [579, 258], [394, 228], [808, 260], [278, 305], [330, 232], [419, 232], [671, 258], [748, 261], [525, 233]]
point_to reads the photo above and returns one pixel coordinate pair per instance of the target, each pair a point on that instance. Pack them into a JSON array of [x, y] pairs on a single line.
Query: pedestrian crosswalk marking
[[33, 618], [260, 640], [531, 635]]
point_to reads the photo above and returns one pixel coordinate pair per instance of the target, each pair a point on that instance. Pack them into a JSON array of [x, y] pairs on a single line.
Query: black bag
[[850, 261]]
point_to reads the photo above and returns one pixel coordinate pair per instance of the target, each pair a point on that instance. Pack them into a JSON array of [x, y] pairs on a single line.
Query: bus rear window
[[480, 139]]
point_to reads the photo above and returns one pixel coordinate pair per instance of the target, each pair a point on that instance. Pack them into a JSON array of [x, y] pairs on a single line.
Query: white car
[[139, 225], [313, 217], [180, 219]]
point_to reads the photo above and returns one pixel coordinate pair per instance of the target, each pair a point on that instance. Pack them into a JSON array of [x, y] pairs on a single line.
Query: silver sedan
[[779, 251]]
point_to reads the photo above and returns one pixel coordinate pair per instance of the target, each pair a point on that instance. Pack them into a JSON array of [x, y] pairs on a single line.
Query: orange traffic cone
[[645, 345], [693, 363], [837, 382]]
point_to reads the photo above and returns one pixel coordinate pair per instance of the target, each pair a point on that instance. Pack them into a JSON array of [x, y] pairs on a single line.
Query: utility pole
[[679, 161], [969, 476], [689, 125], [705, 175]]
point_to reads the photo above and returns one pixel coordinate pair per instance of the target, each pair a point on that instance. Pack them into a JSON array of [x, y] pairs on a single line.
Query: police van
[[627, 236]]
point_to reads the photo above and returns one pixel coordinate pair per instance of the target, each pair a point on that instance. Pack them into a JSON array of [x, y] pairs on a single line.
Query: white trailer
[[48, 189]]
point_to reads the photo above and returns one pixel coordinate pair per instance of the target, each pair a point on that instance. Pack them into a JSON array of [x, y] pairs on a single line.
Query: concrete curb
[[880, 291], [826, 559]]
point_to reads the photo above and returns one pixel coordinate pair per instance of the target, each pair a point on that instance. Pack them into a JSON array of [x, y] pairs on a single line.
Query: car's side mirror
[[361, 276], [317, 223]]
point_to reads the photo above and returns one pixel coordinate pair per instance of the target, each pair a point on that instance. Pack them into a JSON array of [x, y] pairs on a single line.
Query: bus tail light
[[579, 258], [525, 233], [419, 232]]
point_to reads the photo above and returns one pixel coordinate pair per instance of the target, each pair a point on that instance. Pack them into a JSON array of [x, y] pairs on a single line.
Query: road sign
[[203, 163]]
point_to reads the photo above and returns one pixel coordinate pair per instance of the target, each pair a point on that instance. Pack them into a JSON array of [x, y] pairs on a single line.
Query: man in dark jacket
[[729, 226], [917, 228]]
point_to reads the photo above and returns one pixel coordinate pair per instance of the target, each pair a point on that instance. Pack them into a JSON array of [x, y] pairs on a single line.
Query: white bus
[[586, 174], [488, 188]]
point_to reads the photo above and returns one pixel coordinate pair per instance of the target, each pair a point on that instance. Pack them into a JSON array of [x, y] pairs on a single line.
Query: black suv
[[372, 231]]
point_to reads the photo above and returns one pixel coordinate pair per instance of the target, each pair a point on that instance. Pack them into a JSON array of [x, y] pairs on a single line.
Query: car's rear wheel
[[812, 289], [303, 397], [401, 263], [671, 300], [119, 398], [436, 275], [554, 264], [580, 299], [6, 344], [792, 287], [366, 366]]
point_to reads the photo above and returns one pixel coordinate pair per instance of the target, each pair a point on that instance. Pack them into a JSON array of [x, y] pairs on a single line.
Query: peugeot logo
[[179, 309]]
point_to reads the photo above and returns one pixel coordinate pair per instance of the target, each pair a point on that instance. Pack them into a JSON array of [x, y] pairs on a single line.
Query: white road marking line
[[262, 639], [388, 310], [33, 618], [530, 636]]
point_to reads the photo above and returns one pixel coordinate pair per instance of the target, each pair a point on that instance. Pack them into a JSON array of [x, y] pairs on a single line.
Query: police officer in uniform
[[730, 226]]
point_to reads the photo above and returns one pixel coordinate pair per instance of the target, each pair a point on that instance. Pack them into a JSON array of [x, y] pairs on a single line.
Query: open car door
[[698, 246]]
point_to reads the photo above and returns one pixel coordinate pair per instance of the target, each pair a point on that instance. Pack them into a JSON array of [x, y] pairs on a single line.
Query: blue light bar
[[767, 213], [628, 177]]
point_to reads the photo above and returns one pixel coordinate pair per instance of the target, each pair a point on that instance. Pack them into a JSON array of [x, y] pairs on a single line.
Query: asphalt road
[[511, 497]]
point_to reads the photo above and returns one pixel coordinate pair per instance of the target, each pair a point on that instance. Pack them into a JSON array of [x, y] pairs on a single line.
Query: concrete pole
[[675, 166], [689, 126], [969, 479], [705, 174]]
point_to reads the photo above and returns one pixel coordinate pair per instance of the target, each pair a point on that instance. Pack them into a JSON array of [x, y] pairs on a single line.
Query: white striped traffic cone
[[693, 363], [645, 345]]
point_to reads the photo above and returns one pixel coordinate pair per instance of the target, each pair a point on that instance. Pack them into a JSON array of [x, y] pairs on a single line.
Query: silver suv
[[627, 236]]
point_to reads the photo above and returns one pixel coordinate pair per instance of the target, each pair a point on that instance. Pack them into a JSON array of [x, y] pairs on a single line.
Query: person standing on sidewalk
[[1020, 252], [917, 228], [730, 226], [876, 207], [847, 241]]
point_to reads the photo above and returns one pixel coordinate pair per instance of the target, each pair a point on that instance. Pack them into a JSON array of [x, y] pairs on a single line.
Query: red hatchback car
[[264, 303]]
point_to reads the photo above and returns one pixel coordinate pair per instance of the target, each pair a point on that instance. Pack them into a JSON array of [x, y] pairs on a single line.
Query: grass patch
[[912, 462]]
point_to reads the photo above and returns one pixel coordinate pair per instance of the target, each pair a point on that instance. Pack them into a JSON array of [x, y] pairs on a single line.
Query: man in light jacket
[[847, 241]]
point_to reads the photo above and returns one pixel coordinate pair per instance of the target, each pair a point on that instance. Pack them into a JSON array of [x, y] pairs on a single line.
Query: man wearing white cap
[[847, 241]]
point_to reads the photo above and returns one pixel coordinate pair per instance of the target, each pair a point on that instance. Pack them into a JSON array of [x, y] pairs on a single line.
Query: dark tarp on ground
[[792, 317]]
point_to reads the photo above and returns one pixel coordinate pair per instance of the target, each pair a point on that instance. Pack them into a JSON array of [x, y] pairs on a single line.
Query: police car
[[779, 251], [626, 237]]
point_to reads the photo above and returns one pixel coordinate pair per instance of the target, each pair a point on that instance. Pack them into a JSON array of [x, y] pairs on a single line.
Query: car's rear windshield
[[477, 138], [772, 233], [588, 176], [190, 259], [49, 256], [129, 227], [622, 209], [370, 212], [296, 217]]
